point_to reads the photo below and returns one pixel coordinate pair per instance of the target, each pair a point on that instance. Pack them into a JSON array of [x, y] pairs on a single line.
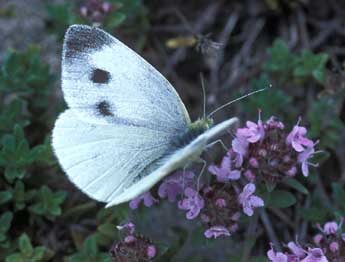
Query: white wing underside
[[123, 114], [114, 143], [103, 160]]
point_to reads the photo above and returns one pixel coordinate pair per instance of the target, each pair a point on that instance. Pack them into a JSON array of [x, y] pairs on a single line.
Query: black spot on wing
[[100, 76], [81, 39], [103, 108]]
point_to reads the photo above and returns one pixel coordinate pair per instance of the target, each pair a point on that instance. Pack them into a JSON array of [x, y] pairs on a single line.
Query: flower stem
[[269, 229], [79, 209]]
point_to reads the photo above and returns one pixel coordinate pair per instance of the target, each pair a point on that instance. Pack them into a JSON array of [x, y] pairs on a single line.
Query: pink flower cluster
[[264, 151], [261, 151], [96, 10], [328, 246], [133, 247]]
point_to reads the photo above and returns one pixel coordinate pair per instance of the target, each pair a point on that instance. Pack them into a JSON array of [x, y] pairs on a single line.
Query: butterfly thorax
[[194, 130]]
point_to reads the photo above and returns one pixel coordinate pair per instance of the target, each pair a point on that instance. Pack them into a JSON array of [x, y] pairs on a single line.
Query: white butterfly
[[126, 127]]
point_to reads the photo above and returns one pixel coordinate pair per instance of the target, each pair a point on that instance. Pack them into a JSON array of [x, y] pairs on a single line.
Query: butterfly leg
[[204, 164], [183, 177], [220, 141]]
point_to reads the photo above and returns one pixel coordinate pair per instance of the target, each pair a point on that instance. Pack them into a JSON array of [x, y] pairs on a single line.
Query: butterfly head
[[202, 124]]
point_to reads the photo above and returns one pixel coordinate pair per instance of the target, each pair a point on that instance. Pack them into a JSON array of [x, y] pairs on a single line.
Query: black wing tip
[[84, 39]]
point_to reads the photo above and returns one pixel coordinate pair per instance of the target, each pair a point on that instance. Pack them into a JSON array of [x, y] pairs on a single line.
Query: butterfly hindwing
[[104, 160]]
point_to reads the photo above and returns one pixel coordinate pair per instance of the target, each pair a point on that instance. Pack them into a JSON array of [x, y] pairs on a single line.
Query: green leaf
[[325, 123], [295, 184], [5, 196], [25, 246], [105, 233], [116, 19], [311, 65], [14, 258], [313, 214], [281, 58], [39, 253], [279, 199], [24, 73], [5, 224], [28, 253], [15, 154], [48, 203], [13, 112], [20, 196], [172, 250], [89, 252], [60, 16]]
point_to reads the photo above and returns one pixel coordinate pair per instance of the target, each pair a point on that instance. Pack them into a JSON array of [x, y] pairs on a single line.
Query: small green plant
[[24, 82], [48, 203], [287, 66], [28, 253], [89, 252]]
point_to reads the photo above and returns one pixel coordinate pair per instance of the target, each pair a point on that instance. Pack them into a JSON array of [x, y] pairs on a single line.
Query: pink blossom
[[130, 239], [151, 251], [315, 255], [296, 250], [330, 228], [240, 147], [220, 202], [273, 123], [129, 227], [276, 256], [253, 132], [106, 7], [216, 231], [297, 138], [147, 198], [224, 173], [248, 200], [175, 184], [303, 159], [291, 172], [253, 162], [249, 175], [194, 203], [334, 247], [317, 239]]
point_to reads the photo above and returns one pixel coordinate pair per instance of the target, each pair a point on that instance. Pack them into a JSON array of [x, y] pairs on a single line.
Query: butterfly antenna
[[203, 94], [237, 99]]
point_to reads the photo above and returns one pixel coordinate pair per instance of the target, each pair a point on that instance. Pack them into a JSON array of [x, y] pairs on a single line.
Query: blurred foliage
[[127, 13], [28, 253], [48, 203], [89, 252], [22, 73], [325, 123], [296, 68]]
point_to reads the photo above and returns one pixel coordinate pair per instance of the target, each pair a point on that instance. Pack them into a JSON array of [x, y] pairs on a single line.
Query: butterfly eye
[[100, 76], [104, 108]]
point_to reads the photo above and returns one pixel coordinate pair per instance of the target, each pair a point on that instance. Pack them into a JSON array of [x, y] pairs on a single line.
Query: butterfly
[[126, 127]]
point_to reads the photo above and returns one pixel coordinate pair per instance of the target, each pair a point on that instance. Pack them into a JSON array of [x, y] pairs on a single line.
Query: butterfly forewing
[[106, 82]]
